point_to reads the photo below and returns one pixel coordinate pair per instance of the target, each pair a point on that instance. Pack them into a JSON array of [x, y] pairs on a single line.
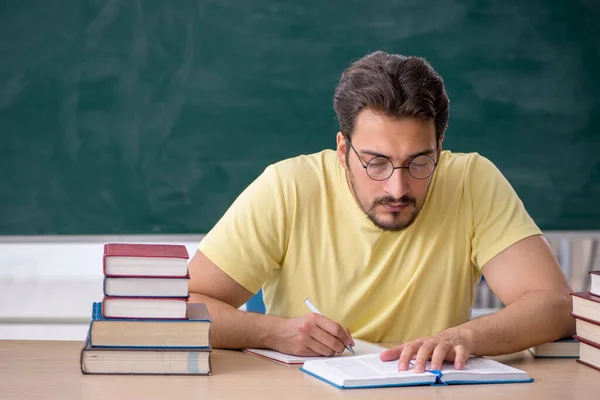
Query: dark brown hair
[[394, 85]]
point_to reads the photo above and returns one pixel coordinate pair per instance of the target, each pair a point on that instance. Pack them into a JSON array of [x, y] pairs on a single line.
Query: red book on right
[[589, 353], [595, 284], [145, 260], [587, 328], [586, 305]]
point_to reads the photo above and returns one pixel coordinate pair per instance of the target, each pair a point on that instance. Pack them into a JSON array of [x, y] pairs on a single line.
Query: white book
[[370, 372], [146, 287], [144, 308], [145, 266], [361, 348]]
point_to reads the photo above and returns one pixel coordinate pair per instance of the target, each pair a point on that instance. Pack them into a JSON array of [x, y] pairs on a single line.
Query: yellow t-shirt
[[297, 232]]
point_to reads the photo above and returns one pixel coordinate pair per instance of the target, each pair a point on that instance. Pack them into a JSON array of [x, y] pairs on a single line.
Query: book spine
[[90, 334], [104, 259], [81, 366]]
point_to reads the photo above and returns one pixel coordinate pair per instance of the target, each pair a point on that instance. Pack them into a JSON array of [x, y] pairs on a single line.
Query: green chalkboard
[[125, 116]]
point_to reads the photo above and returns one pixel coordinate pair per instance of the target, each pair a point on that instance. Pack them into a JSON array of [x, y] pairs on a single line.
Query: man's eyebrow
[[411, 156]]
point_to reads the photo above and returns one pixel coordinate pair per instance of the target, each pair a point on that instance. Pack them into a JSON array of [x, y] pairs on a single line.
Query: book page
[[361, 348], [482, 370], [369, 367], [480, 366]]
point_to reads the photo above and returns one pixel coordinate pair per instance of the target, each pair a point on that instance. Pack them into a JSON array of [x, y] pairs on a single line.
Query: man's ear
[[341, 148]]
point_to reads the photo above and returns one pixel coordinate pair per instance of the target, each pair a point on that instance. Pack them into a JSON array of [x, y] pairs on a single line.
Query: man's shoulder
[[307, 166], [456, 159], [460, 171], [460, 165]]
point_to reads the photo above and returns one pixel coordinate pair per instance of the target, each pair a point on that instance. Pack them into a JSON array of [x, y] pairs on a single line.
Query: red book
[[144, 308], [589, 353], [595, 283], [587, 328], [164, 260], [141, 286], [586, 305]]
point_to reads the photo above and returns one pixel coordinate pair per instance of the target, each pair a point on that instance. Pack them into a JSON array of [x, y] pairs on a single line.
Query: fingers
[[461, 357], [391, 354], [319, 348], [349, 335], [323, 335], [334, 329], [421, 351], [424, 354], [408, 353], [333, 344], [439, 355]]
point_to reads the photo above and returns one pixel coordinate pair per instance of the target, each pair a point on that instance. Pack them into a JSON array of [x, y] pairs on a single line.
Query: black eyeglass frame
[[435, 164]]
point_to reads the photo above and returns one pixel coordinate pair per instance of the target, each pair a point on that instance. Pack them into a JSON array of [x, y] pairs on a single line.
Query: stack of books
[[145, 324], [586, 311]]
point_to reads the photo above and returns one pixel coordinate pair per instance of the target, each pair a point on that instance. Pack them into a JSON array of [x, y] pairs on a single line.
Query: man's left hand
[[450, 345]]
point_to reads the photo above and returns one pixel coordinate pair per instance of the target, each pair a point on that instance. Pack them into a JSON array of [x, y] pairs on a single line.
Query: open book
[[369, 372], [361, 348]]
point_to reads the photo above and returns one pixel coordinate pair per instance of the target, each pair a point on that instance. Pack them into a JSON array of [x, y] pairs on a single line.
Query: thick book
[[149, 361], [361, 348], [562, 348], [145, 308], [146, 287], [595, 283], [586, 305], [193, 332], [129, 259], [587, 328], [589, 353], [370, 372]]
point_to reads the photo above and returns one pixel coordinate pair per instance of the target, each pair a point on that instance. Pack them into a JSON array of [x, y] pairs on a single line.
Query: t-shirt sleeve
[[499, 216], [248, 242]]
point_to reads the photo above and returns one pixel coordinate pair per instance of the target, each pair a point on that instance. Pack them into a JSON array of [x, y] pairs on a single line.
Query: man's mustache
[[404, 200]]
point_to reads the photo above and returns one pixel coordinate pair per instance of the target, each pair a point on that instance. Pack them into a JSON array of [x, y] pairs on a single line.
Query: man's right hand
[[310, 335]]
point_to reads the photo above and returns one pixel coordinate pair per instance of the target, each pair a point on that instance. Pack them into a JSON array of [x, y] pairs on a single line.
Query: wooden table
[[50, 370]]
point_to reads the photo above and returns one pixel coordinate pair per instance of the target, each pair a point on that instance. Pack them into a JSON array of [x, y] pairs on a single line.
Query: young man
[[387, 236]]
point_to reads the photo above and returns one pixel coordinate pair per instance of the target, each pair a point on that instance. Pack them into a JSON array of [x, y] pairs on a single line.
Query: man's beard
[[390, 226]]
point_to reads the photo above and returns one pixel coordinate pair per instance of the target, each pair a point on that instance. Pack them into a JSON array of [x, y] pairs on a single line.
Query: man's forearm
[[537, 317], [235, 329]]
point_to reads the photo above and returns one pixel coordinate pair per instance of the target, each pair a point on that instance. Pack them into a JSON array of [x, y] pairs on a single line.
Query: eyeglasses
[[380, 168]]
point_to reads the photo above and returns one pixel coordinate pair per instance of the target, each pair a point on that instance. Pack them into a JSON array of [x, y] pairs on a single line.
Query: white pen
[[314, 309]]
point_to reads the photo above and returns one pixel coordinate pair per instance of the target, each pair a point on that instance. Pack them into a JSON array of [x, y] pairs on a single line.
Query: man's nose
[[397, 185]]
